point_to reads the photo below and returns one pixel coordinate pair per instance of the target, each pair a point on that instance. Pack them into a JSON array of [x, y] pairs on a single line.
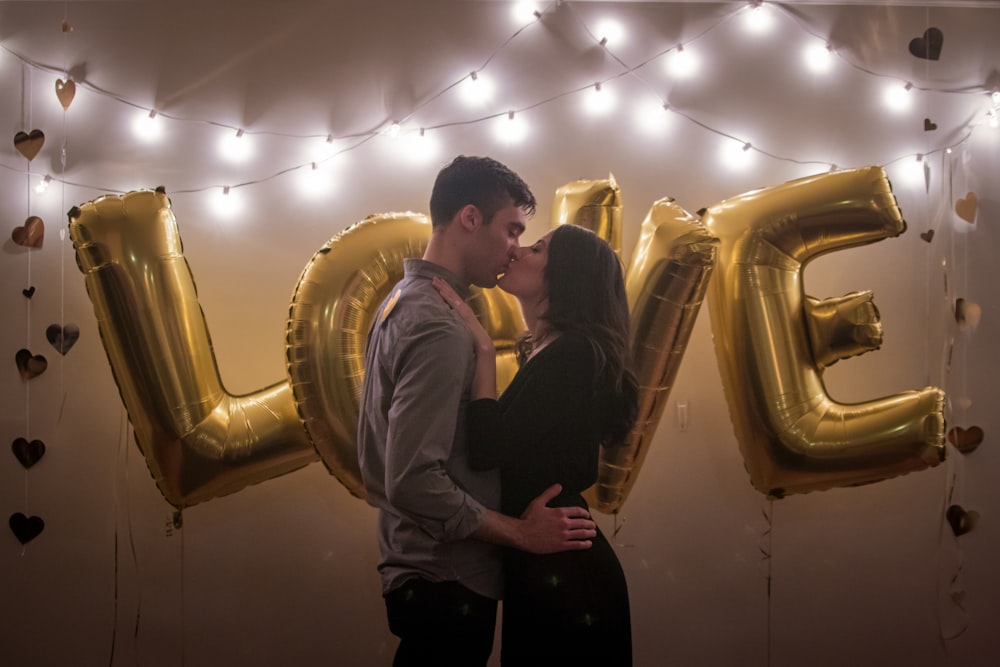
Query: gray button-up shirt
[[412, 440]]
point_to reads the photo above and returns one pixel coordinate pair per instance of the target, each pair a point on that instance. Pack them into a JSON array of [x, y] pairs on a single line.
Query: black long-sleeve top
[[545, 428]]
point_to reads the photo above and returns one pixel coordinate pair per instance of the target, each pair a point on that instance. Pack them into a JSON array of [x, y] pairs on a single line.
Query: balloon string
[[764, 546]]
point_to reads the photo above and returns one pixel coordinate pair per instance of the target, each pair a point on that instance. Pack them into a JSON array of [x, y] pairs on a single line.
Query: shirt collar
[[421, 268]]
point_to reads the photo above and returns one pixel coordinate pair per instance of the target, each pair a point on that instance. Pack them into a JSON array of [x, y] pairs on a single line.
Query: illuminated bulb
[[525, 12], [757, 19], [601, 101], [43, 185], [995, 97], [477, 89], [897, 97], [610, 33], [314, 182], [736, 156], [991, 118], [393, 130], [818, 57], [683, 63], [236, 147], [651, 116], [226, 203], [146, 126], [510, 129], [420, 147]]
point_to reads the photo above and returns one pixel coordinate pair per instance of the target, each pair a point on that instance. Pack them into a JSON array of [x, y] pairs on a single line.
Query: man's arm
[[541, 529]]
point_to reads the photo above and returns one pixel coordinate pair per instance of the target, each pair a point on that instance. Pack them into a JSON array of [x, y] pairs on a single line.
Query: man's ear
[[470, 217]]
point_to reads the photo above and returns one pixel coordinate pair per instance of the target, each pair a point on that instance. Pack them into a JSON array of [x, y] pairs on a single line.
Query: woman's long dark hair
[[586, 295]]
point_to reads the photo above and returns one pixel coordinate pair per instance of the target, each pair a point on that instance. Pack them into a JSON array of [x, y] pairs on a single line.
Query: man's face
[[495, 244]]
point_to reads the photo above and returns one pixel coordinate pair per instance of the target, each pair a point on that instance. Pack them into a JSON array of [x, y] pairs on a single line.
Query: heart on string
[[29, 143], [66, 27], [62, 338], [967, 314], [30, 365], [28, 453], [928, 235], [31, 234], [28, 292], [65, 91], [966, 440], [929, 46], [26, 528], [961, 520], [966, 208], [929, 126]]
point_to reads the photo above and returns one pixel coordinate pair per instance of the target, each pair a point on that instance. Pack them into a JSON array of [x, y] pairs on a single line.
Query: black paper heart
[[929, 125], [28, 292], [30, 365], [26, 528], [961, 520], [28, 453], [928, 46], [62, 338], [928, 235]]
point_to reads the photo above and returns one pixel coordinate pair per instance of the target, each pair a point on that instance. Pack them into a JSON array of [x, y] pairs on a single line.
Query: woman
[[573, 392]]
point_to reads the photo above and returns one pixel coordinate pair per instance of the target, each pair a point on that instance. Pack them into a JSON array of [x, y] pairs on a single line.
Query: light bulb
[[610, 33], [477, 89], [226, 203], [314, 182], [683, 63], [736, 155], [525, 12], [818, 57], [146, 126], [43, 185], [235, 147], [757, 19], [510, 129], [991, 118], [600, 100], [897, 97], [420, 147], [652, 116]]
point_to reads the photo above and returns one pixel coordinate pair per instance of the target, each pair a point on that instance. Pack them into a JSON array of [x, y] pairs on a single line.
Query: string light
[[601, 101], [683, 64], [226, 203], [477, 89], [736, 155], [818, 57], [897, 97], [43, 185], [235, 147], [610, 33], [314, 182], [420, 147], [651, 116], [146, 126], [757, 19], [527, 13], [510, 129]]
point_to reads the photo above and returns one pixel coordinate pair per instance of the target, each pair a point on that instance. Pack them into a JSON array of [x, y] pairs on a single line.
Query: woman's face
[[525, 277]]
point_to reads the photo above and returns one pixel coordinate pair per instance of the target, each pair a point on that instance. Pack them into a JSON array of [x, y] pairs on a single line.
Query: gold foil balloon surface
[[199, 440], [772, 342], [665, 284]]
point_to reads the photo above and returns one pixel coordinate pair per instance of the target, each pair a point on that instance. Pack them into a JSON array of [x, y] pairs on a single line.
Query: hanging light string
[[365, 136]]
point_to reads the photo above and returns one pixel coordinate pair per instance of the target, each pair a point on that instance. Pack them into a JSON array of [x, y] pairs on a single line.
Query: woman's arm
[[484, 384]]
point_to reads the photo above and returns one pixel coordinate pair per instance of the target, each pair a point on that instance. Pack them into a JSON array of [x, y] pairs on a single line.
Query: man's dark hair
[[480, 181]]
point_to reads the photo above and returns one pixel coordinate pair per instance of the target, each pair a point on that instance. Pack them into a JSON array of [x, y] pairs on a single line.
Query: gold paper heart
[[30, 365], [967, 314], [65, 91], [966, 440], [966, 208], [29, 143], [31, 234]]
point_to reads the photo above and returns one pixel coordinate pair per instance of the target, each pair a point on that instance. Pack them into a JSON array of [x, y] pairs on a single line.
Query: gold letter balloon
[[772, 342]]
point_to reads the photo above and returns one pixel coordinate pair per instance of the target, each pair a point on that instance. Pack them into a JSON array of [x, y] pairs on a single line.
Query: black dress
[[570, 607]]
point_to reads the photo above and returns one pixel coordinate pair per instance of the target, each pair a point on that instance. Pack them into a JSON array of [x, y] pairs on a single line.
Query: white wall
[[284, 571]]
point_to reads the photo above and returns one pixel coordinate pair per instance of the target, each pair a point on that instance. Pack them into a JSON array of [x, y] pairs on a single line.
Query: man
[[439, 532]]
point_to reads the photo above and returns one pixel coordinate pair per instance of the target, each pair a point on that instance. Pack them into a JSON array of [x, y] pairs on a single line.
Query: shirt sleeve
[[555, 387], [433, 363]]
